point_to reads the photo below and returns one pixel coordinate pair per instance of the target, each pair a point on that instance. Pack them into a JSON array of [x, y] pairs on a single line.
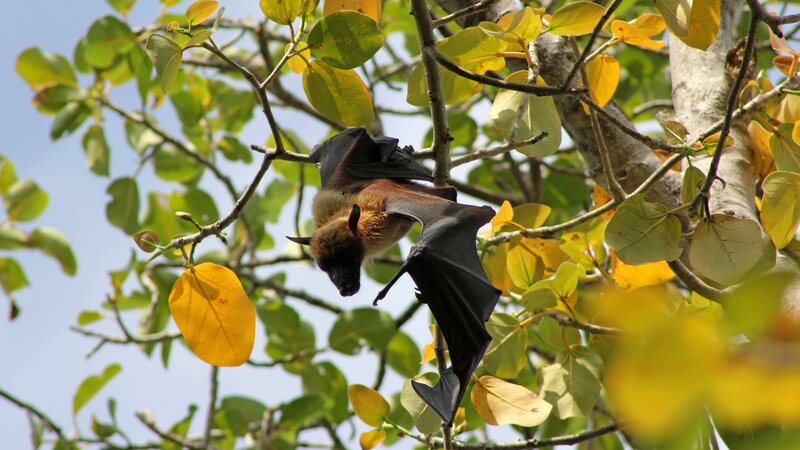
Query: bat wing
[[353, 155], [444, 265]]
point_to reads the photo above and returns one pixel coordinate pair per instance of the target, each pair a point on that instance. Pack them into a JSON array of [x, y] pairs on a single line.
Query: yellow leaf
[[632, 35], [780, 208], [429, 351], [200, 10], [548, 250], [636, 314], [503, 216], [649, 24], [603, 74], [600, 197], [633, 277], [786, 64], [703, 24], [660, 387], [494, 263], [712, 141], [369, 405], [522, 26], [762, 158], [214, 314], [299, 61], [371, 8], [460, 420], [371, 439], [576, 19], [500, 402]]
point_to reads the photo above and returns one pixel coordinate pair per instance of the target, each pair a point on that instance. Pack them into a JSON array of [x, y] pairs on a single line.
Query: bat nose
[[348, 289]]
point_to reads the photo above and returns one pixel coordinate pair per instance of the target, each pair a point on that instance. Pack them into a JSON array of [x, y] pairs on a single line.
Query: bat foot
[[443, 397]]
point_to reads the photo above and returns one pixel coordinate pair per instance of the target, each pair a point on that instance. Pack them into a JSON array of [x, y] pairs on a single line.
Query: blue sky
[[42, 361]]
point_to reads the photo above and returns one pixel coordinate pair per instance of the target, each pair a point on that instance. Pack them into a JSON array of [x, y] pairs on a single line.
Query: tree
[[665, 314]]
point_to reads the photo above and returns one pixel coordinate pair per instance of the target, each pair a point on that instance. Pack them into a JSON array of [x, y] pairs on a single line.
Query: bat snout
[[349, 289], [347, 283]]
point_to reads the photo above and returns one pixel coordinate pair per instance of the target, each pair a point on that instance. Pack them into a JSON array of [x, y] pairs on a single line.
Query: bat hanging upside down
[[367, 203]]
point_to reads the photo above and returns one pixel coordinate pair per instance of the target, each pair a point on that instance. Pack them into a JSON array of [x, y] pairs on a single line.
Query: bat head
[[339, 252]]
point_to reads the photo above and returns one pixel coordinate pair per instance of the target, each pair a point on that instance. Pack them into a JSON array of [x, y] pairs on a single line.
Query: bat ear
[[305, 240], [352, 222]]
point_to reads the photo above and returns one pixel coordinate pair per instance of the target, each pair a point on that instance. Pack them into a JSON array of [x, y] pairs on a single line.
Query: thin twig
[[36, 412], [147, 419], [212, 407], [298, 294], [468, 11], [597, 29], [711, 176]]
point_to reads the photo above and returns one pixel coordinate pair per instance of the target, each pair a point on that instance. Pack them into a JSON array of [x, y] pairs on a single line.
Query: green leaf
[[12, 238], [276, 195], [140, 137], [69, 118], [524, 265], [122, 6], [122, 210], [180, 428], [339, 95], [753, 308], [345, 39], [172, 164], [51, 99], [641, 232], [474, 50], [425, 418], [456, 89], [54, 243], [196, 202], [576, 19], [285, 11], [300, 412], [780, 207], [287, 334], [403, 355], [693, 179], [89, 317], [559, 287], [108, 37], [572, 383], [540, 116], [92, 385], [25, 201], [725, 248], [327, 381], [233, 150], [141, 67], [676, 15], [8, 175], [188, 107], [38, 68], [557, 335], [166, 55], [101, 429], [382, 272], [352, 328], [96, 150], [505, 357], [784, 150], [12, 276], [241, 412]]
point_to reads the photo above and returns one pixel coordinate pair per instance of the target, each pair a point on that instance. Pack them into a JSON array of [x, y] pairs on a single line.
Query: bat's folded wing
[[445, 267], [353, 154]]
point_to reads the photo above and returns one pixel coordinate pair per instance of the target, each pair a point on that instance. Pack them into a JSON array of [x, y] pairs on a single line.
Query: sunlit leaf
[[780, 207], [630, 34], [340, 95], [371, 439], [92, 385], [584, 243], [603, 74], [456, 89], [38, 68], [519, 27], [54, 243], [25, 200], [703, 24], [368, 404], [641, 232], [523, 264], [345, 39], [650, 24], [576, 19], [166, 55], [505, 356], [784, 149], [200, 10], [425, 418], [214, 314], [559, 287], [96, 150], [500, 402], [371, 8], [285, 12], [299, 61], [633, 277], [541, 115]]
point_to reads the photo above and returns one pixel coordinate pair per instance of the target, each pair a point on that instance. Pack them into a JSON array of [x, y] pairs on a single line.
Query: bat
[[368, 201]]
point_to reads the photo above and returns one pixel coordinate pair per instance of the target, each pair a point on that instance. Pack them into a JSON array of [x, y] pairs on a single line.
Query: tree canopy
[[651, 296]]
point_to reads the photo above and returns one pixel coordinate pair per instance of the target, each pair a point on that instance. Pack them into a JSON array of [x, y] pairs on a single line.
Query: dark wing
[[445, 267], [354, 155]]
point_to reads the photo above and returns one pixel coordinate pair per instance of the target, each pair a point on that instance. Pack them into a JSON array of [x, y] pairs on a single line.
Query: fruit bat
[[368, 202]]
